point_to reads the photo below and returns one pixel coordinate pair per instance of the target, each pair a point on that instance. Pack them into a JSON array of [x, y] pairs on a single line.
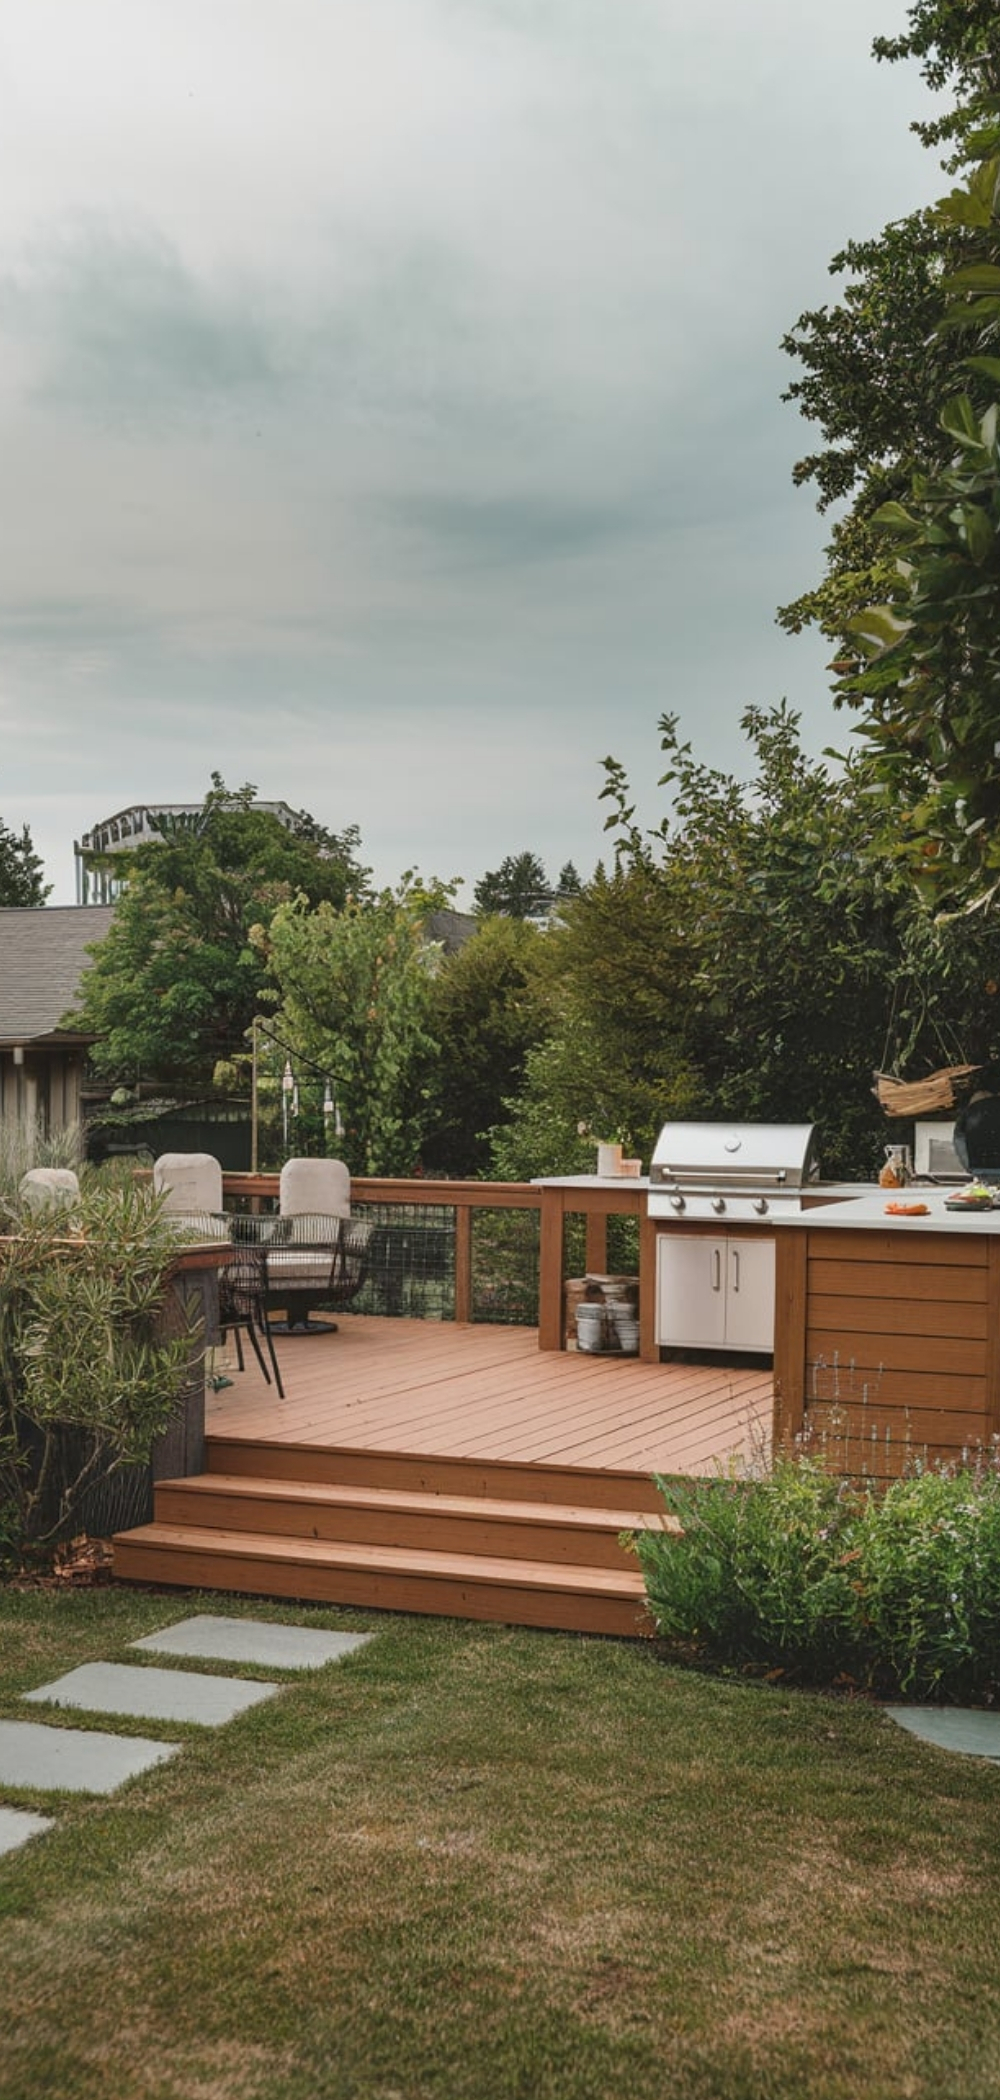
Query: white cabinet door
[[690, 1291], [715, 1293], [750, 1293]]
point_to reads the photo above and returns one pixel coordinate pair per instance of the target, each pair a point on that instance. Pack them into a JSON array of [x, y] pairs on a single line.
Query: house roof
[[451, 928], [42, 959]]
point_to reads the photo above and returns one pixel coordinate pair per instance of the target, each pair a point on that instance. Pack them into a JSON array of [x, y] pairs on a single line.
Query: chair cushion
[[288, 1266], [314, 1185], [188, 1181], [48, 1188], [198, 1224]]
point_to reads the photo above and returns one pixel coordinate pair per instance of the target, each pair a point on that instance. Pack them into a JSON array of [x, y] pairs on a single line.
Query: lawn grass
[[471, 1863]]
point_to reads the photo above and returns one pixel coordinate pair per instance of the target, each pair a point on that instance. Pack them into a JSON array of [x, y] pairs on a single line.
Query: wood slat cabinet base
[[887, 1347]]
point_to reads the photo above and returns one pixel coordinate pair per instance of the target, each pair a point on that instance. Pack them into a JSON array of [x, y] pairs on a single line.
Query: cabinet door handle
[[717, 1259], [734, 1251]]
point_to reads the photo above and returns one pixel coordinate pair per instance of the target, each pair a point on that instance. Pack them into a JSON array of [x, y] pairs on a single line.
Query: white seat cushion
[[314, 1185], [189, 1182]]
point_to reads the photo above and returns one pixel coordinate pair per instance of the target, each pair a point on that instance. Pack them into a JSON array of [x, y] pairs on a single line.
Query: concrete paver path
[[273, 1646], [17, 1825], [969, 1730], [82, 1761], [155, 1695]]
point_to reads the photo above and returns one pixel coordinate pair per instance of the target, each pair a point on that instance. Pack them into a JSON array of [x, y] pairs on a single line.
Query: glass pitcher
[[898, 1170]]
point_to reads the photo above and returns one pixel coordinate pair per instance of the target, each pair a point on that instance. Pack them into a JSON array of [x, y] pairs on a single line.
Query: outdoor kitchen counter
[[599, 1197], [887, 1331], [867, 1213]]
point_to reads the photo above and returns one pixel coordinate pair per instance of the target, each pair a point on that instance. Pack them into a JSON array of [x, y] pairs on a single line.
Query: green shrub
[[88, 1377], [807, 1575], [756, 1574], [926, 1582]]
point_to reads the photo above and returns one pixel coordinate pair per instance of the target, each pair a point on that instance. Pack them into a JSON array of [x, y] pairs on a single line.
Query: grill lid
[[720, 1156]]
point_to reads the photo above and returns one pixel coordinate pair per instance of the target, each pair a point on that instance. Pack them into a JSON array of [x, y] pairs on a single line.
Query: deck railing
[[427, 1240]]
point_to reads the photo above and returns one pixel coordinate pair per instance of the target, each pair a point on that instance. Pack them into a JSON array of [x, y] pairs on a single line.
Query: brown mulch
[[82, 1564]]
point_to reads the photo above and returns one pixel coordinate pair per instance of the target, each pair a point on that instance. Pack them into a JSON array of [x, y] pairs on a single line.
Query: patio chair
[[242, 1308], [191, 1186], [48, 1188], [319, 1255]]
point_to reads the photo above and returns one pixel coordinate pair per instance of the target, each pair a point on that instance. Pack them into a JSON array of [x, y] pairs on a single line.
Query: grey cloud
[[511, 531], [123, 331]]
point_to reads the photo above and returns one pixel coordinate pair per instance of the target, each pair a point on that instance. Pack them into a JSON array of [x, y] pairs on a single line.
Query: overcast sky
[[389, 397]]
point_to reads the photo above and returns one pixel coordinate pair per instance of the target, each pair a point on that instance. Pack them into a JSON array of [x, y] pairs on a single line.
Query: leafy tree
[[874, 367], [487, 1011], [518, 889], [904, 378], [355, 1001], [21, 869], [175, 983], [752, 959], [927, 658]]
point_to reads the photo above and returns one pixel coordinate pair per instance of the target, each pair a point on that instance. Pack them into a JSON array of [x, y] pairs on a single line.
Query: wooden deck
[[444, 1468]]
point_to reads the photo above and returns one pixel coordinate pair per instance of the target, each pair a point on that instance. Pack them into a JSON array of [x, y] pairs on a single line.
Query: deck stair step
[[380, 1516], [404, 1534], [508, 1480], [481, 1585]]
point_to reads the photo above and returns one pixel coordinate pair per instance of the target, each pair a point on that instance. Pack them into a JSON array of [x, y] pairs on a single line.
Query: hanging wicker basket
[[939, 1091]]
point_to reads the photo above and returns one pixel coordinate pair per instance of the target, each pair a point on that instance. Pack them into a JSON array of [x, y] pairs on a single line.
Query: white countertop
[[868, 1214], [590, 1181]]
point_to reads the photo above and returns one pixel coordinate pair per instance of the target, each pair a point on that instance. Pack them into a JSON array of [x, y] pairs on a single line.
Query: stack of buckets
[[607, 1322]]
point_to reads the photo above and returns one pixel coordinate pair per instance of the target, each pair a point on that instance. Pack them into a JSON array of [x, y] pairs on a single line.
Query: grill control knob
[[760, 1206], [718, 1204], [677, 1203]]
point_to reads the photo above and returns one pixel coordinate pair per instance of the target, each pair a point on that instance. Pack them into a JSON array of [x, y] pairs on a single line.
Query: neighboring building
[[451, 928], [42, 960], [142, 825]]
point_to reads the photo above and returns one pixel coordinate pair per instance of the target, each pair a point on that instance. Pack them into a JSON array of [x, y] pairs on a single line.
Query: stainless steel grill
[[731, 1170]]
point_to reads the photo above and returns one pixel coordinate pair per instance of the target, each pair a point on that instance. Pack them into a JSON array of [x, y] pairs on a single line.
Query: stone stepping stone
[[17, 1825], [271, 1645], [73, 1758], [966, 1729], [155, 1695]]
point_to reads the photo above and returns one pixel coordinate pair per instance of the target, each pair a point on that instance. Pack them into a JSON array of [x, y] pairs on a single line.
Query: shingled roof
[[42, 959]]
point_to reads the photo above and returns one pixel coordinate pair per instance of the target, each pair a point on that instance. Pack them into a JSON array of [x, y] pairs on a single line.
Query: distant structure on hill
[[142, 825]]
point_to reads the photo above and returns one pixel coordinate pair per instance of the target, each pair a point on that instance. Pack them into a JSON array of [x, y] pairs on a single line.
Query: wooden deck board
[[488, 1392]]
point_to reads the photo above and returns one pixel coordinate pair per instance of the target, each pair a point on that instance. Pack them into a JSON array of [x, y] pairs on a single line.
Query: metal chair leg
[[251, 1326], [274, 1361]]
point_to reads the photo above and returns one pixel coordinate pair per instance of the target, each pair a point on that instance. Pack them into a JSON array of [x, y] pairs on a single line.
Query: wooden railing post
[[595, 1259], [463, 1263]]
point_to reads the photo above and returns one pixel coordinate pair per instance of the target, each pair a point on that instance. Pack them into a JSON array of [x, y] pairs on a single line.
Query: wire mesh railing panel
[[505, 1246], [410, 1263]]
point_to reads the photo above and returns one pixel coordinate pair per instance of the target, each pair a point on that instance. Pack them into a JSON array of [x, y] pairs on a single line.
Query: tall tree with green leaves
[[175, 983], [751, 958], [517, 889], [354, 987], [488, 1010], [21, 871], [904, 378], [873, 369]]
